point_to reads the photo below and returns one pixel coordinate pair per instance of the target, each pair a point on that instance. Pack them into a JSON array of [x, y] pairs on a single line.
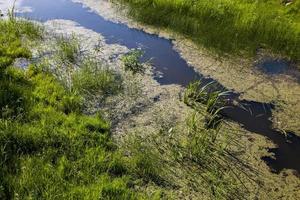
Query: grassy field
[[227, 26]]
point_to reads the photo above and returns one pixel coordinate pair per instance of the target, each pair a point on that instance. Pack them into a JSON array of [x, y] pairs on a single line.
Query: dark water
[[274, 67], [165, 59], [255, 116]]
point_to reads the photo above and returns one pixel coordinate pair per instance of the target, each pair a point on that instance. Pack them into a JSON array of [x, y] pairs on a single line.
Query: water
[[165, 59], [175, 70], [256, 117], [275, 67]]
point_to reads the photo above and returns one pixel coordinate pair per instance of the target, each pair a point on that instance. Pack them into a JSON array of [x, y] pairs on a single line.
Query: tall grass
[[68, 49], [230, 26], [207, 100], [210, 146]]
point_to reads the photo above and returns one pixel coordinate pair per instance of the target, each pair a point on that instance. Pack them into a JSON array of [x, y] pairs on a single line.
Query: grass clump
[[230, 26], [132, 63], [68, 49], [93, 78], [208, 100]]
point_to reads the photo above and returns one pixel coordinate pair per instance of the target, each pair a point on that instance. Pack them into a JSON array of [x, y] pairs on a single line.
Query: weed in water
[[68, 49], [132, 63], [93, 78], [206, 98]]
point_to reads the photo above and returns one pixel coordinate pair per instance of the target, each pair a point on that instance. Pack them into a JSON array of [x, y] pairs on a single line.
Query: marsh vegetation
[[52, 149], [62, 114]]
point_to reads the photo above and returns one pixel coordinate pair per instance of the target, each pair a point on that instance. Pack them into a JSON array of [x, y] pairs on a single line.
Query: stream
[[172, 69]]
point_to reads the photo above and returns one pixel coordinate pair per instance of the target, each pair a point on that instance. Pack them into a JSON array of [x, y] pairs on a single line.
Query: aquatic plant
[[206, 100], [93, 78], [68, 49], [132, 63]]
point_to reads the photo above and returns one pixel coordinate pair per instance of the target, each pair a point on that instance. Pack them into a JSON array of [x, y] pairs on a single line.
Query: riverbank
[[151, 126], [227, 26], [69, 116]]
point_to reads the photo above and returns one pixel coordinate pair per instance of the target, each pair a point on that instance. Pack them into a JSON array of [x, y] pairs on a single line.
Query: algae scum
[[170, 68]]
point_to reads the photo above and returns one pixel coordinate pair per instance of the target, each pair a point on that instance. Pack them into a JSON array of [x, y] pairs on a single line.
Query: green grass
[[207, 100], [227, 26], [94, 78], [68, 49], [131, 62], [209, 146], [49, 149]]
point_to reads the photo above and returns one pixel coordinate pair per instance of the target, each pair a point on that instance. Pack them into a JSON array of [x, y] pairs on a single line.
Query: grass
[[206, 99], [68, 49], [209, 146], [193, 159], [227, 26], [94, 78], [131, 62], [49, 149]]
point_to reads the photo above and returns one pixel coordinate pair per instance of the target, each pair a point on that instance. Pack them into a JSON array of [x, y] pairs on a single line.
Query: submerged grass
[[229, 26]]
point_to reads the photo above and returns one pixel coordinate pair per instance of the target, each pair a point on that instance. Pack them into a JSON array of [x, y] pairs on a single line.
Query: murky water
[[275, 67], [175, 70], [165, 59]]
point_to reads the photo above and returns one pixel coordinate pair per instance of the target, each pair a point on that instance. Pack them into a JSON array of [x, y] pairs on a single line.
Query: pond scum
[[230, 26]]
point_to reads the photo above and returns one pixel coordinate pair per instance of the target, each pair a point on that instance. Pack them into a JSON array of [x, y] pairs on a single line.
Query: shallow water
[[159, 50], [174, 70], [275, 67]]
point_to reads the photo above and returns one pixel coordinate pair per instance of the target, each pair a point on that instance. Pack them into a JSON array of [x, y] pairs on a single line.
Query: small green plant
[[68, 49], [198, 96], [132, 63], [93, 78]]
